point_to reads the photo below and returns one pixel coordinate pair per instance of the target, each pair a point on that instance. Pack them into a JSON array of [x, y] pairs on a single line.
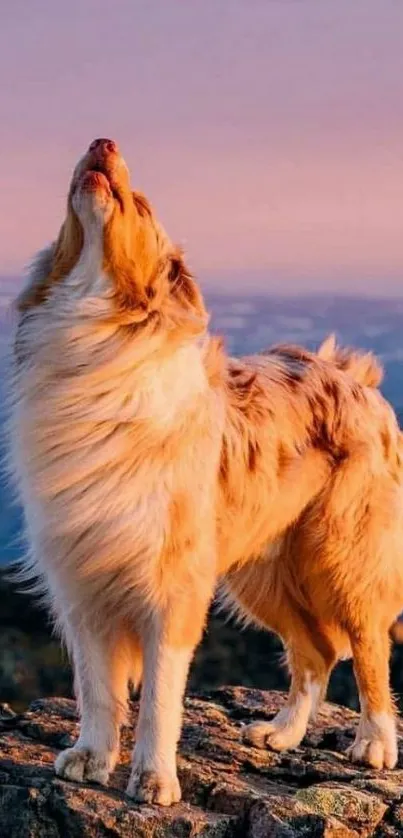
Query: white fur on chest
[[92, 420]]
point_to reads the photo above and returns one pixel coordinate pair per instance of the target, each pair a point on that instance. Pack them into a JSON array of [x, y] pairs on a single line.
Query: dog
[[152, 467]]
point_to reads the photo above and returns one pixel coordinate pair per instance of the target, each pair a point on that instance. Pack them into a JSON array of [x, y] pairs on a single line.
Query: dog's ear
[[182, 285]]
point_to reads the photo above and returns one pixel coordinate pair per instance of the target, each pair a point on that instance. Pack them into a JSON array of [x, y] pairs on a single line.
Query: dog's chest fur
[[108, 434]]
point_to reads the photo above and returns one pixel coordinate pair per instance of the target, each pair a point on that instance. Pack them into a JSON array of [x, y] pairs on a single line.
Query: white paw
[[273, 735], [154, 787], [375, 743], [373, 752], [83, 765]]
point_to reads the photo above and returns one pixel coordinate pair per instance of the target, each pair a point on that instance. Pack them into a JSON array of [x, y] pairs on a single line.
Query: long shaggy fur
[[151, 465]]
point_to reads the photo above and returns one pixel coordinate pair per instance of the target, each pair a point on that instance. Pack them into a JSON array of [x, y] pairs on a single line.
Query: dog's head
[[143, 267]]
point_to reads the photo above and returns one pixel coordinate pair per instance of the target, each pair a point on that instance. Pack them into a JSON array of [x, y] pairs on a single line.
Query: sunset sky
[[267, 133]]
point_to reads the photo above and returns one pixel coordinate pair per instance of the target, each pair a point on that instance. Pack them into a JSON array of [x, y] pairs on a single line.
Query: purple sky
[[268, 133]]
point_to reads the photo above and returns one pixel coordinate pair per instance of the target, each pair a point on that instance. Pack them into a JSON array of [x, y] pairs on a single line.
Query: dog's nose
[[102, 145]]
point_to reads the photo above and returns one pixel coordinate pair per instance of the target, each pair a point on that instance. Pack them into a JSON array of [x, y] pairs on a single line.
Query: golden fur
[[151, 466]]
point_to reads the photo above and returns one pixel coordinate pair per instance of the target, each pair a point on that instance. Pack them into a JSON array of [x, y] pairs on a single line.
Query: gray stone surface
[[230, 790]]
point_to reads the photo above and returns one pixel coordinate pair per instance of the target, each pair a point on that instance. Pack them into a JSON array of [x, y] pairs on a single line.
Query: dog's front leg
[[169, 640], [102, 666]]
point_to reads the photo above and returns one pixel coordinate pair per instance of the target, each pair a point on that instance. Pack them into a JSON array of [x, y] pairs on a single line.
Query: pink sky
[[268, 133]]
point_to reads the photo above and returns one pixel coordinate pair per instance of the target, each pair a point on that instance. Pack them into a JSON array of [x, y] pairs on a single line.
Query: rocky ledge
[[229, 789]]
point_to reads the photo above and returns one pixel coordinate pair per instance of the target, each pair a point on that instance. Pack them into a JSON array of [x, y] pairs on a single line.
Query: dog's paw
[[374, 752], [153, 787], [375, 743], [272, 735], [83, 765]]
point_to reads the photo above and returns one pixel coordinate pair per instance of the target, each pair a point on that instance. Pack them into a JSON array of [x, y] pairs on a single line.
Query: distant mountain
[[249, 324]]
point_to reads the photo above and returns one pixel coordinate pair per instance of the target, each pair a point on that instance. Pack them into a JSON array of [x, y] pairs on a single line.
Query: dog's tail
[[363, 367]]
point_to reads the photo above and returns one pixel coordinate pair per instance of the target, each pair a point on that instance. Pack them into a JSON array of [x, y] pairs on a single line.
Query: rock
[[230, 790]]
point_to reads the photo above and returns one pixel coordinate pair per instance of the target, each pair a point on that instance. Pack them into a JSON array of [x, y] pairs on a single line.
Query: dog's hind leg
[[258, 594], [375, 742], [353, 550], [102, 667], [310, 657]]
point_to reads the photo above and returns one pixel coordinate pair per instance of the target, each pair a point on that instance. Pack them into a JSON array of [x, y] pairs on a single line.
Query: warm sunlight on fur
[[151, 466]]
